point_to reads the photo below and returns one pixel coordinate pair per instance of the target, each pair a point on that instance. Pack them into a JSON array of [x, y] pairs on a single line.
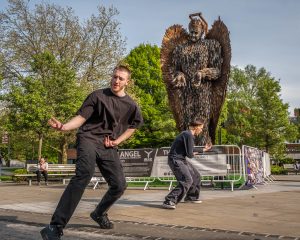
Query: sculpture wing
[[174, 36], [220, 33]]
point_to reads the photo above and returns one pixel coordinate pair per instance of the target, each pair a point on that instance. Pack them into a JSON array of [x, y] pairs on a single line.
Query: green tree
[[241, 89], [296, 121], [159, 126], [50, 90], [256, 114], [3, 131], [93, 47], [221, 133], [90, 48]]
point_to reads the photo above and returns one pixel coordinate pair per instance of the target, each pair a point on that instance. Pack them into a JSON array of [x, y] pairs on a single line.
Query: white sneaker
[[169, 205]]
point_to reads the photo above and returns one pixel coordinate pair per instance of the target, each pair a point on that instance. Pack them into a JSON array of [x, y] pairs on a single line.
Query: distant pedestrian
[[42, 170], [187, 176], [297, 166]]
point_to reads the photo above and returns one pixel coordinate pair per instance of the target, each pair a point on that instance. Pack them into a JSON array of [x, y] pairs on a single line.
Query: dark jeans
[[39, 175], [107, 159], [188, 179]]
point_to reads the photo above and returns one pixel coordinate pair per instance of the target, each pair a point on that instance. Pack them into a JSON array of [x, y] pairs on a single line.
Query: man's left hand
[[207, 147], [110, 143]]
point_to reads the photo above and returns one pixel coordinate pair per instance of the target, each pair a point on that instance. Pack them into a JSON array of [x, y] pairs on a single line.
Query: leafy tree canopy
[[50, 90], [159, 126], [92, 48], [257, 115]]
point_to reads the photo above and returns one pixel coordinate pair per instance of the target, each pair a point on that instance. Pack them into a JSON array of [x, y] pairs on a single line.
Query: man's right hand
[[74, 123], [54, 123]]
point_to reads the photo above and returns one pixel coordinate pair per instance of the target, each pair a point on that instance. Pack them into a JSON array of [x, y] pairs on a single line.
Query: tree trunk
[[40, 145], [267, 143], [63, 158]]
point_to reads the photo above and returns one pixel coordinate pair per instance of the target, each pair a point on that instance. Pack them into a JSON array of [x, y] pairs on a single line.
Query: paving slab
[[272, 211]]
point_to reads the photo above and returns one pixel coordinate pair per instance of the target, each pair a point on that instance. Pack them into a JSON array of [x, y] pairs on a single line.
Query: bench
[[58, 171], [290, 168]]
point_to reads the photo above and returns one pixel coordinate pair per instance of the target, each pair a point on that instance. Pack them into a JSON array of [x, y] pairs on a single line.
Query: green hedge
[[5, 178], [277, 170], [20, 171]]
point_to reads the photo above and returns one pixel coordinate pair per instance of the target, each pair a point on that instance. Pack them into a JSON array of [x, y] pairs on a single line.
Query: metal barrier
[[145, 180], [137, 166], [234, 166], [95, 181], [223, 163], [256, 166]]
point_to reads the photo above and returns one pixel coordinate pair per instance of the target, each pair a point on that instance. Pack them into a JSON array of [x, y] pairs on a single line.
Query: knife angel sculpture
[[195, 68]]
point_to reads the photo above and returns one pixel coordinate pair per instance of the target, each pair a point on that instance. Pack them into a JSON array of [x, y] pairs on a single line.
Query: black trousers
[[39, 175], [188, 179], [107, 159]]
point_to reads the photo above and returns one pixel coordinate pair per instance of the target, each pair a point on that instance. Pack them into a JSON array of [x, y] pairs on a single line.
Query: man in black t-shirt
[[186, 174], [106, 118]]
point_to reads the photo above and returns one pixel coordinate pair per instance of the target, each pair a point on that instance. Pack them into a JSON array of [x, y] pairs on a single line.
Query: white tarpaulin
[[208, 164]]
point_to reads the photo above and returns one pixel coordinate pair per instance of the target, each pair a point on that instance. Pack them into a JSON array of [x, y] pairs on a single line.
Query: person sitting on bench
[[42, 169]]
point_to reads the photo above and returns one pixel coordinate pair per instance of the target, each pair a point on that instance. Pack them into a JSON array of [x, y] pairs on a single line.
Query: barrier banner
[[267, 164], [160, 165], [153, 162], [254, 165], [137, 162], [209, 164]]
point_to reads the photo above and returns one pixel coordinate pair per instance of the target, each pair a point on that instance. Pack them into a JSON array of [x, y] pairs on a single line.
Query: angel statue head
[[197, 27]]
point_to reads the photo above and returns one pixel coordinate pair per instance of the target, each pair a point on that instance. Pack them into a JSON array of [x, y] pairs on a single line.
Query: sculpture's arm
[[176, 70], [213, 70]]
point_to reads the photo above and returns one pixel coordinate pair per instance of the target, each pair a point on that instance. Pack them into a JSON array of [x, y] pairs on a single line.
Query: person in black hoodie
[[187, 176]]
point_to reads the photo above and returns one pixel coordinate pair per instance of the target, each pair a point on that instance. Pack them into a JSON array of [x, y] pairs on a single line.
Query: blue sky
[[264, 33]]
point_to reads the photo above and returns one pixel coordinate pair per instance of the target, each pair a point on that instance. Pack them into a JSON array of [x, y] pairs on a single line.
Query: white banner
[[160, 164], [267, 164], [208, 164]]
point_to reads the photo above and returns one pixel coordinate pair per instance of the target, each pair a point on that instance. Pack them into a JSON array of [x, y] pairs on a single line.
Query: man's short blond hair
[[125, 68]]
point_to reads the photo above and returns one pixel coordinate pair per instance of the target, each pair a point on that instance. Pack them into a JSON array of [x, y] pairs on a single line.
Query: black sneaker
[[51, 232], [102, 220], [169, 204]]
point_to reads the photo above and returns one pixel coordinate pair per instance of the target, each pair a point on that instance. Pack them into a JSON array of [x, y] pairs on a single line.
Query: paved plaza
[[272, 211]]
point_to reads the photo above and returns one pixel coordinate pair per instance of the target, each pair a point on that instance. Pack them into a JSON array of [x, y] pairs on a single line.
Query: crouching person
[[187, 176]]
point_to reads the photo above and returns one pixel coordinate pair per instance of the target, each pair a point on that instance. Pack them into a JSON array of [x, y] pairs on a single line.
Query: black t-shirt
[[108, 114], [183, 145]]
